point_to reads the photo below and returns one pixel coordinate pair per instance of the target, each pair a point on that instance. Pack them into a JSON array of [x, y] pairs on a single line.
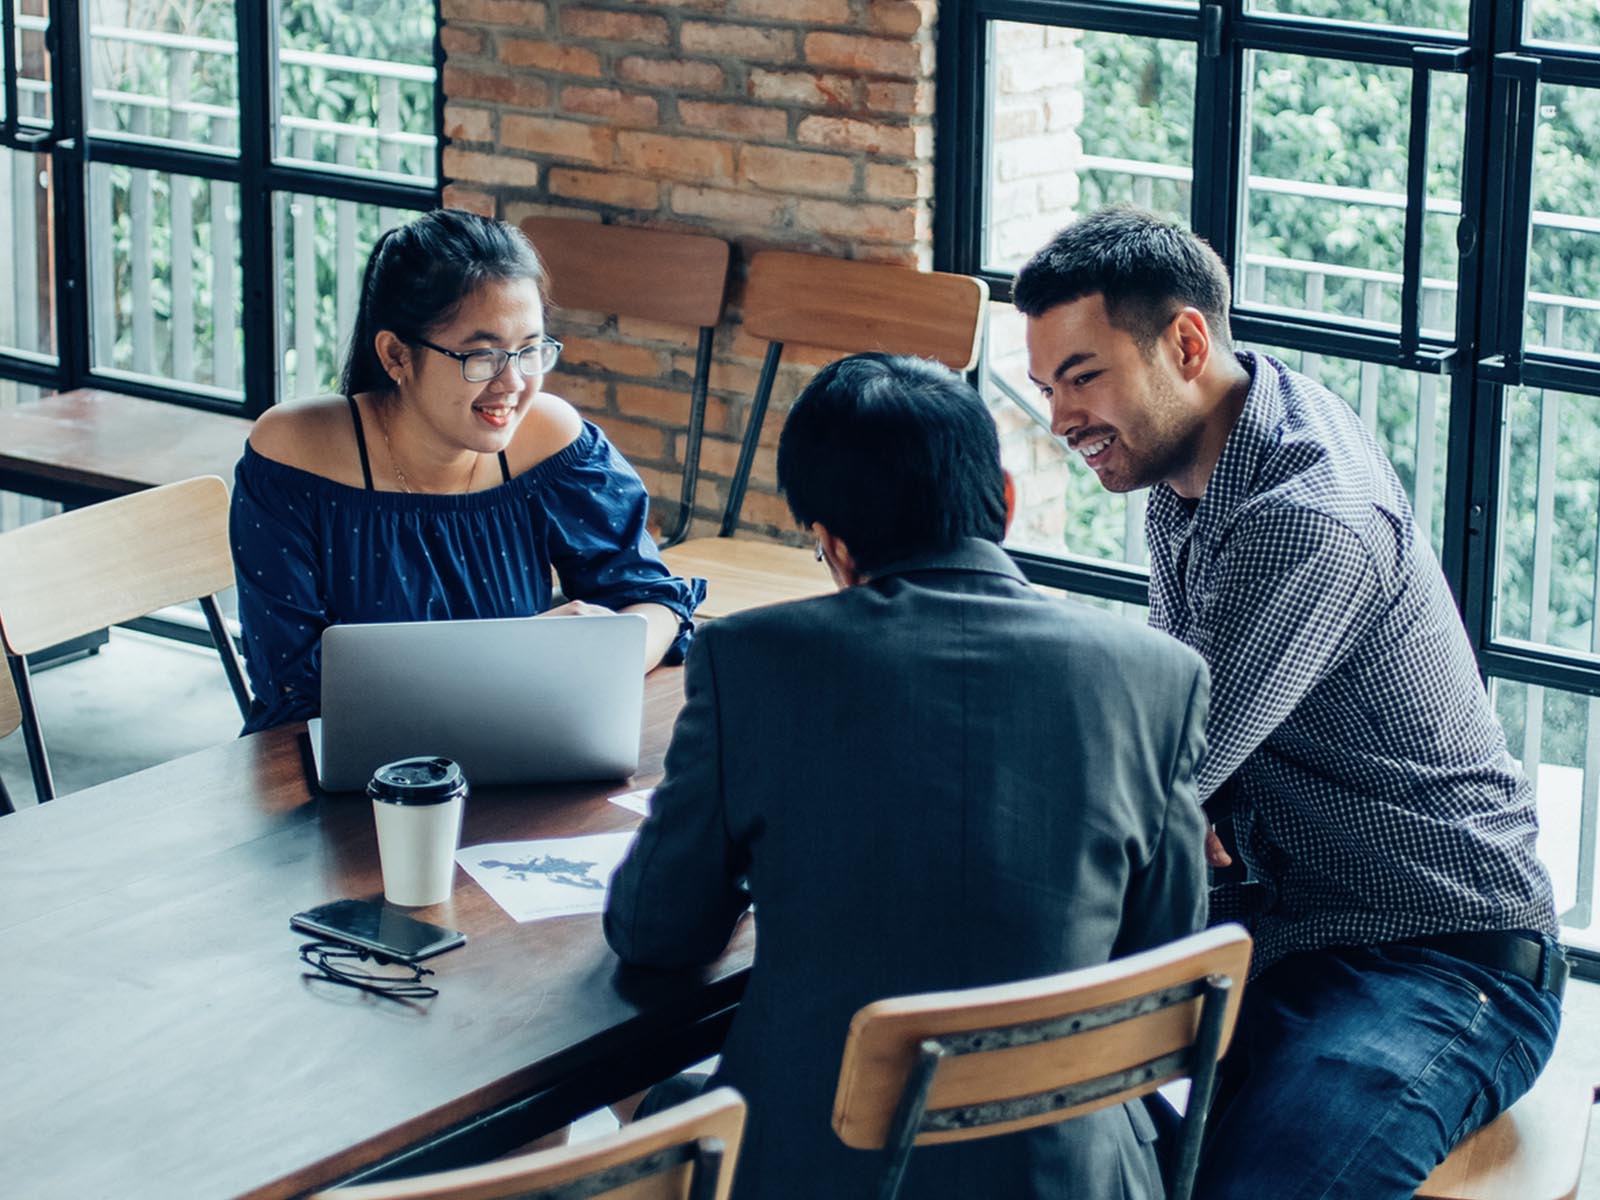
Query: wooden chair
[[10, 718], [651, 274], [686, 1151], [836, 305], [953, 1066], [80, 571], [1532, 1151]]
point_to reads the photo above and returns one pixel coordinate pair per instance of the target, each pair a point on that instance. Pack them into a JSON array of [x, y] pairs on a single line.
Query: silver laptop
[[523, 700]]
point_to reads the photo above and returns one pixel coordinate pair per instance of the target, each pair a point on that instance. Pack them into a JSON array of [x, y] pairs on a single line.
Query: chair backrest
[[72, 574], [951, 1066], [10, 710], [80, 571], [686, 1151], [858, 306], [850, 307], [653, 274]]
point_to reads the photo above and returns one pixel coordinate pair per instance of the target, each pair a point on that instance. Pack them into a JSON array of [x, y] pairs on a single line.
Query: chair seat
[[747, 574], [1532, 1151]]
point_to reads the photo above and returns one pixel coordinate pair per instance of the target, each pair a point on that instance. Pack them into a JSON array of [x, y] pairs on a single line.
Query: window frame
[[73, 149], [1483, 360]]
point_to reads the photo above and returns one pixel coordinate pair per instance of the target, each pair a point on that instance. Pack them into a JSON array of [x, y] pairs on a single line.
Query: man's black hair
[[1145, 267], [897, 456]]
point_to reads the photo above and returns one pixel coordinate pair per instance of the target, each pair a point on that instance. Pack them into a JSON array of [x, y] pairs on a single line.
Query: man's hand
[[577, 608], [1216, 856]]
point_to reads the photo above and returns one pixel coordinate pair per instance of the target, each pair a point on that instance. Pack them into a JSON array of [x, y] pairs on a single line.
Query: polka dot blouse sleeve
[[599, 544], [282, 605]]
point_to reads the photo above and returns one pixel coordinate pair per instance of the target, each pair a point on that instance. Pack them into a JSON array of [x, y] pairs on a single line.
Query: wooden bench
[[1532, 1151], [88, 445]]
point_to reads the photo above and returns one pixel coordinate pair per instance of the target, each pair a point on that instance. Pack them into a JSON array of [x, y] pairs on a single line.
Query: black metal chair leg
[[752, 438], [38, 762], [908, 1118], [1202, 1082], [228, 653]]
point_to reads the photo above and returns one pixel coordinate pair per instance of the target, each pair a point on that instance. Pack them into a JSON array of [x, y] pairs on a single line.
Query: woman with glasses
[[443, 483]]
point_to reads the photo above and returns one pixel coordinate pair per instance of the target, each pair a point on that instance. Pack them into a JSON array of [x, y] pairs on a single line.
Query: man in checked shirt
[[1406, 985]]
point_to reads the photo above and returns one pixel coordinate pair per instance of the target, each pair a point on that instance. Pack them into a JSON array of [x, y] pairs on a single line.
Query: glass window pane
[[26, 258], [1564, 248], [165, 281], [1400, 14], [1564, 23], [1061, 507], [322, 248], [1546, 580], [16, 509], [165, 72], [356, 83], [33, 62], [1078, 120], [1407, 412], [1555, 735], [1323, 223]]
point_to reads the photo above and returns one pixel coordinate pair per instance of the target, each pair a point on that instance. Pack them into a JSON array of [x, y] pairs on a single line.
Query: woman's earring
[[819, 551]]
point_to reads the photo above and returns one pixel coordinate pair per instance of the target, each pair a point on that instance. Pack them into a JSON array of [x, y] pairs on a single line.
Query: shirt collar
[[1253, 434], [969, 554]]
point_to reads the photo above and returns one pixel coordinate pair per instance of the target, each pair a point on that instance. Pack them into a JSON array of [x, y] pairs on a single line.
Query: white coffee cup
[[417, 804]]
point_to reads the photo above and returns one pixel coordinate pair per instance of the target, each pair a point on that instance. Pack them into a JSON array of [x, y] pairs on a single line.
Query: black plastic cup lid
[[417, 781]]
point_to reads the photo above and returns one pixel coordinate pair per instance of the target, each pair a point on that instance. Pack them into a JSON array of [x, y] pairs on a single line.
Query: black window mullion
[[257, 105], [1216, 123], [69, 47]]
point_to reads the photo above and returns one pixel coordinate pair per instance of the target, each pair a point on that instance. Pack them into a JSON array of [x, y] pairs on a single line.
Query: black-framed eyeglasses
[[347, 965], [480, 366]]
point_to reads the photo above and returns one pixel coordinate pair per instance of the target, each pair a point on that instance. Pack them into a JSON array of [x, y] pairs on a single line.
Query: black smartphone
[[373, 926]]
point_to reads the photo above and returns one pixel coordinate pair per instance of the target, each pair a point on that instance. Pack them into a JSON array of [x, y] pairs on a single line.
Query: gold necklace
[[400, 475]]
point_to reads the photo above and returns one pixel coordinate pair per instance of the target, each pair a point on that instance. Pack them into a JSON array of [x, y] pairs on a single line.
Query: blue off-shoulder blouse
[[310, 552]]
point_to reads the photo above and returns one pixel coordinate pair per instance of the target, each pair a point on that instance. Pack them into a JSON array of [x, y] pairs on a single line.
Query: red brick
[[869, 55], [719, 205], [795, 170], [903, 18], [668, 73], [528, 13], [875, 222], [640, 330], [635, 440], [806, 88], [489, 168], [739, 41], [621, 191], [585, 392], [517, 211], [738, 119], [459, 197], [468, 124], [558, 139], [605, 25], [689, 5], [908, 99], [899, 182], [653, 404], [461, 83], [621, 108], [721, 457], [847, 133], [460, 43], [803, 12], [691, 159], [610, 355], [548, 56]]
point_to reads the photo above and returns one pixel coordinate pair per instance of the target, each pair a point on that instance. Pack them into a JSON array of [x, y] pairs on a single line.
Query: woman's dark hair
[[418, 276], [1145, 267], [897, 456]]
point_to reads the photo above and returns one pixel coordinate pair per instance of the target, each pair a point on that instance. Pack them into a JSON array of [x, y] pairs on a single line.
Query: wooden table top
[[157, 1037], [90, 444]]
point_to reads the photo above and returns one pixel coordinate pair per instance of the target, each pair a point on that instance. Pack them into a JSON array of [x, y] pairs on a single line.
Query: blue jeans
[[1353, 1072]]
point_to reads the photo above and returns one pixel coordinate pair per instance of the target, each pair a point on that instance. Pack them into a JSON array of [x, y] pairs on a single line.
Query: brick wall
[[802, 124]]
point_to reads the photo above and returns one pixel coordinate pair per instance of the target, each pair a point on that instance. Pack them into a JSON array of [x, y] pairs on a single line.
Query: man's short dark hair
[[897, 456], [1145, 267]]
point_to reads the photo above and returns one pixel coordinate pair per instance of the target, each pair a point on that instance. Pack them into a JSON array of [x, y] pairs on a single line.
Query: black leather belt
[[1503, 950]]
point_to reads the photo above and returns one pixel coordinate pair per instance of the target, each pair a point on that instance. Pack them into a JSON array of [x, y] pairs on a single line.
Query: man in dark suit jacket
[[935, 778]]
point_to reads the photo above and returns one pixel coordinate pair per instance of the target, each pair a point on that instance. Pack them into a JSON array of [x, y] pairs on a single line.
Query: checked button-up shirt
[[1372, 794]]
